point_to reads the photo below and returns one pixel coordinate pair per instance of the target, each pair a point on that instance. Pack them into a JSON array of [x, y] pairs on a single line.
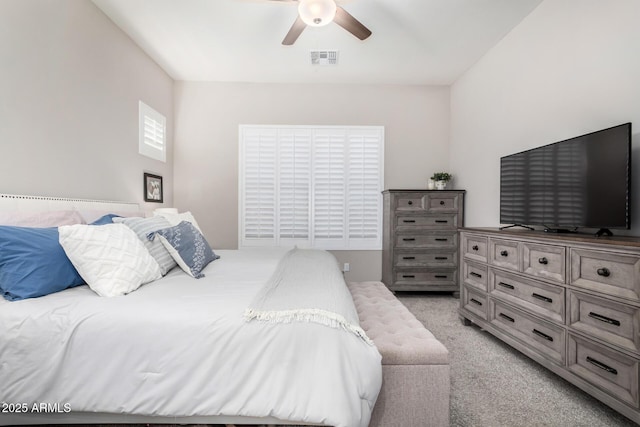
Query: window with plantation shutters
[[152, 133], [311, 186]]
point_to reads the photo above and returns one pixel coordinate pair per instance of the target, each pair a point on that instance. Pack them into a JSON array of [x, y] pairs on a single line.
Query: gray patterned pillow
[[142, 227], [187, 246]]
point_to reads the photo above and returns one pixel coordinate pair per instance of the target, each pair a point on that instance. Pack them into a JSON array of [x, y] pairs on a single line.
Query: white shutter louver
[[363, 186], [295, 180], [259, 187], [312, 186], [153, 133], [329, 187]]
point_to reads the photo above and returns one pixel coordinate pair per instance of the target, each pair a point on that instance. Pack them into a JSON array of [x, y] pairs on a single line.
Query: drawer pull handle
[[604, 319], [475, 301], [408, 257], [543, 260], [408, 276], [441, 202], [408, 220], [602, 366], [604, 272], [506, 285], [509, 318], [475, 247], [473, 273], [542, 335], [408, 239], [441, 276], [441, 239], [441, 258], [541, 297], [504, 253], [409, 202], [441, 221]]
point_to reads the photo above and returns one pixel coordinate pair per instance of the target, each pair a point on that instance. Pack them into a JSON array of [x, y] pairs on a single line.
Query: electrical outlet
[[346, 267]]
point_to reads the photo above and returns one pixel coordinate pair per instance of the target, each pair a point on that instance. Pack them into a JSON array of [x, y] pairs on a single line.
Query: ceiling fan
[[317, 13]]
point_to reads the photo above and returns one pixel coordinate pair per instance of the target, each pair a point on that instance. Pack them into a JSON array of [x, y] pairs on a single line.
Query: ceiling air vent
[[324, 57]]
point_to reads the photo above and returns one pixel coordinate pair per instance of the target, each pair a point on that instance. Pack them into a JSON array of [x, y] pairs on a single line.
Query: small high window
[[152, 137]]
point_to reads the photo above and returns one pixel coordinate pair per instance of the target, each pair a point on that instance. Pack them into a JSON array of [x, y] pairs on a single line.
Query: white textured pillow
[[175, 219], [110, 258]]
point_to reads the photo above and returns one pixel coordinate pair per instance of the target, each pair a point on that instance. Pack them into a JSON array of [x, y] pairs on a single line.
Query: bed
[[177, 350]]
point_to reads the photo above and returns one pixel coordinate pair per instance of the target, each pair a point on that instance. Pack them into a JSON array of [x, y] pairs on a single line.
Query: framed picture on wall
[[152, 188]]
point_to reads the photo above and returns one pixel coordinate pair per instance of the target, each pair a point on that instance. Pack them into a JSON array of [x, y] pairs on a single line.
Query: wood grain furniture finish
[[420, 239], [570, 302]]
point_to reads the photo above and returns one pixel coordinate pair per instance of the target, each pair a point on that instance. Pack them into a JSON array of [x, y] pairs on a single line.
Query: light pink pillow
[[40, 219], [91, 215]]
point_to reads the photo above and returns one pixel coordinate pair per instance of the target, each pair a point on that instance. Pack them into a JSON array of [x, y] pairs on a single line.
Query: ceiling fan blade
[[351, 24], [295, 31]]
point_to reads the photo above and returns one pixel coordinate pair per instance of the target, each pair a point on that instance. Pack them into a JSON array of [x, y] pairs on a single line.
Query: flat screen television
[[579, 182]]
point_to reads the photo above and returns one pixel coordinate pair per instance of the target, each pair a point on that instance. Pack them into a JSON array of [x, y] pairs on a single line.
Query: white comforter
[[180, 347]]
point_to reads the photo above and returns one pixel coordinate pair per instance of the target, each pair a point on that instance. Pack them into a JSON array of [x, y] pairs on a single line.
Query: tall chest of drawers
[[420, 239], [571, 303]]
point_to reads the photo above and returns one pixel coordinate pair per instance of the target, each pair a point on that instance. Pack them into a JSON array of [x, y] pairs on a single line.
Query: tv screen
[[580, 182]]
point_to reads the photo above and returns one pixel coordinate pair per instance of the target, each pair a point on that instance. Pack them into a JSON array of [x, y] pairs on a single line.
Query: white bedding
[[180, 347]]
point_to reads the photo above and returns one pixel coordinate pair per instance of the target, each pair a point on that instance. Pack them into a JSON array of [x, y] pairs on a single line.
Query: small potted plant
[[441, 179]]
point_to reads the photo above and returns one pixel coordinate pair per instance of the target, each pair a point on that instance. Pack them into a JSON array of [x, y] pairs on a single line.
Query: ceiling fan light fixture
[[317, 13]]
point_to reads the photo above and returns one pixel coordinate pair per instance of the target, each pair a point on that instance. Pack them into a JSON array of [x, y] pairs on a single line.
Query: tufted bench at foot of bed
[[415, 365]]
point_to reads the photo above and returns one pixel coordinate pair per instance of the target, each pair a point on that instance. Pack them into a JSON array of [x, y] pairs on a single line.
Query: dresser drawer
[[475, 275], [414, 276], [608, 370], [409, 202], [430, 221], [618, 324], [544, 261], [542, 336], [426, 259], [539, 298], [431, 240], [504, 253], [474, 301], [606, 272], [443, 202], [474, 247]]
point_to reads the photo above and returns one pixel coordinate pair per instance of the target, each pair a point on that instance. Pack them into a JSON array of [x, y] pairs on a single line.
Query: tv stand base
[[604, 232], [517, 225]]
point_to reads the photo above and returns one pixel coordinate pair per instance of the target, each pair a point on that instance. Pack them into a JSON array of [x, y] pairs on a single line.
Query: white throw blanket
[[307, 286]]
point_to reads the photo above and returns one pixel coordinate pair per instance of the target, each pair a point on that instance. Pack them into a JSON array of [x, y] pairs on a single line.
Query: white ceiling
[[413, 41]]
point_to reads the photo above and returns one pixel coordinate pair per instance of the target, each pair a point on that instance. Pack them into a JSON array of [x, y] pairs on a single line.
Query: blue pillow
[[33, 264], [187, 246], [105, 219]]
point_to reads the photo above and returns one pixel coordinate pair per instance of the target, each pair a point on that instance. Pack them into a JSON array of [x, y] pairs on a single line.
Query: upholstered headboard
[[23, 203]]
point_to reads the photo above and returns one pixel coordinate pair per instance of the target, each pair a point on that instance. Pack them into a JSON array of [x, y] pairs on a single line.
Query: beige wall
[[70, 82], [207, 115], [571, 67]]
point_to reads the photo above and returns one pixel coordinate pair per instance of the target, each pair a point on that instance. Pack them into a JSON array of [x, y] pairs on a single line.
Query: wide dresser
[[571, 302], [420, 239]]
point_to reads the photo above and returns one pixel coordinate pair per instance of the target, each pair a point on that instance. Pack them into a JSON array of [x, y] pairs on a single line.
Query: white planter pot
[[441, 185]]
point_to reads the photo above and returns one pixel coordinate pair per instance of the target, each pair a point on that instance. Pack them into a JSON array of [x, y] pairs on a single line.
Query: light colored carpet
[[494, 385]]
